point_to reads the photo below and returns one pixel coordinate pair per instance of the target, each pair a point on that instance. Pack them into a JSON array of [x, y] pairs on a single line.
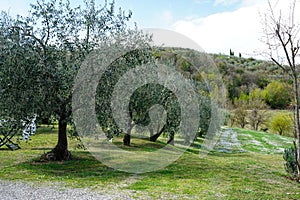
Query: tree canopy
[[41, 54]]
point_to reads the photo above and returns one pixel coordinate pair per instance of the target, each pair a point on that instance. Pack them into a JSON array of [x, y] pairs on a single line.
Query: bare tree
[[240, 113], [257, 113], [282, 37]]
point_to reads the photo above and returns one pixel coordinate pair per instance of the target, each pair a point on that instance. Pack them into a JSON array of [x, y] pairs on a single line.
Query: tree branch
[[278, 64], [283, 44]]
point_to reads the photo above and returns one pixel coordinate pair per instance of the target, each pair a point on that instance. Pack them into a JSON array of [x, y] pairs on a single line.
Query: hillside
[[243, 74], [240, 75]]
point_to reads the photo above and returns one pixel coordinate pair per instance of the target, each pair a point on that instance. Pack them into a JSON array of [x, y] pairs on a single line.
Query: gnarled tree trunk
[[151, 132], [171, 138], [60, 151], [154, 137], [127, 137]]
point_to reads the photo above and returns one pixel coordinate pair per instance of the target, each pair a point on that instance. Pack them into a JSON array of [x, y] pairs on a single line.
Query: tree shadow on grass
[[229, 155], [84, 170], [5, 149], [41, 149]]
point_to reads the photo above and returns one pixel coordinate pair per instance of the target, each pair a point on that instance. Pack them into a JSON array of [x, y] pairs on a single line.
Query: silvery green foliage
[[41, 55], [148, 96], [103, 82], [18, 64]]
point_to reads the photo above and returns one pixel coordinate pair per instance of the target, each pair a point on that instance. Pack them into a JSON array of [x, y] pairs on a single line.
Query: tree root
[[57, 154]]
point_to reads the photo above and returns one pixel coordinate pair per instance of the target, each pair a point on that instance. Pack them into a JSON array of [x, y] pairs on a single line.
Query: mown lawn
[[249, 175]]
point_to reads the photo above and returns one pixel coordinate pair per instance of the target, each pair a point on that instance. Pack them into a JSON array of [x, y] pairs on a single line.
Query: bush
[[282, 123], [277, 95], [290, 162]]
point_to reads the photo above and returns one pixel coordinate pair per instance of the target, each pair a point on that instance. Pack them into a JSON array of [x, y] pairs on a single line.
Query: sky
[[216, 25]]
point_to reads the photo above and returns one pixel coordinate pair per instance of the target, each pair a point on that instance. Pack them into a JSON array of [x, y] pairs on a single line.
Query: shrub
[[282, 123], [277, 95], [290, 162]]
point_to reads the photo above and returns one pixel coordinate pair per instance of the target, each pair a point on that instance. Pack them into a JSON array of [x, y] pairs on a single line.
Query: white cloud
[[239, 30]]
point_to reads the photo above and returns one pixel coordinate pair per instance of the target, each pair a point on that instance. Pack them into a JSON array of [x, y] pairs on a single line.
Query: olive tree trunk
[[153, 138], [60, 151]]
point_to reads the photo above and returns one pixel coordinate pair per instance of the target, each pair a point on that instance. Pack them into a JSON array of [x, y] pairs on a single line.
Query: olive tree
[[50, 45], [105, 88], [153, 107], [18, 64]]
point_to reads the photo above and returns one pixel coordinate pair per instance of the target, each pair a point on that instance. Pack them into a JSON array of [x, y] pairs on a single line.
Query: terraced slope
[[234, 140]]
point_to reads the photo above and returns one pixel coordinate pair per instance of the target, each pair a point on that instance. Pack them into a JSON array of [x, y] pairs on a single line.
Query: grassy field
[[255, 173]]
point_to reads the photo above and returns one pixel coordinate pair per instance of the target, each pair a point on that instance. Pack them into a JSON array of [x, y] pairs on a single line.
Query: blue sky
[[149, 13], [161, 13], [216, 25]]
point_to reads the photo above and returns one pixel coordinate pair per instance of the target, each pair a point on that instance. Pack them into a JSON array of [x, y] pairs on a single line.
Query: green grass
[[251, 175], [262, 142]]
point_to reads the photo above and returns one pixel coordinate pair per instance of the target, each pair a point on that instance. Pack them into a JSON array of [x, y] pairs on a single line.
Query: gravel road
[[24, 191]]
